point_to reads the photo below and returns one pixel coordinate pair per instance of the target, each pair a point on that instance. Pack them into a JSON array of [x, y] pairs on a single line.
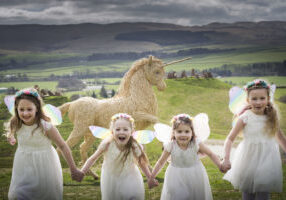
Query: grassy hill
[[190, 96], [138, 37]]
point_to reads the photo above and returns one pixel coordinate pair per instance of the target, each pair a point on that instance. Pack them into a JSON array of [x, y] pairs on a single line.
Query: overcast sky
[[182, 12]]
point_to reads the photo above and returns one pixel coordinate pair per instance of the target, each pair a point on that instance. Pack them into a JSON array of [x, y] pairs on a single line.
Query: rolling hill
[[135, 37]]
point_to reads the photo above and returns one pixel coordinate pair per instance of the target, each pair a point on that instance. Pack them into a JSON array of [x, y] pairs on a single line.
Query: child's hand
[[77, 175], [152, 183], [12, 140], [225, 166]]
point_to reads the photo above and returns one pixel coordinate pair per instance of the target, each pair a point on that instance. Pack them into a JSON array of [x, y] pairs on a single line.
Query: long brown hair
[[132, 143], [270, 111], [15, 123]]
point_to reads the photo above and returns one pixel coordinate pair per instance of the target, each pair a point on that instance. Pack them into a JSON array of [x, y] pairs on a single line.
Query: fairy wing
[[53, 113], [10, 101], [163, 132], [272, 91], [144, 136], [99, 132], [237, 99], [201, 126]]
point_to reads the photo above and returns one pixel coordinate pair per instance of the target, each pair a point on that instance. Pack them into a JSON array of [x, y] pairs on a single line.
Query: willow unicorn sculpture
[[135, 97]]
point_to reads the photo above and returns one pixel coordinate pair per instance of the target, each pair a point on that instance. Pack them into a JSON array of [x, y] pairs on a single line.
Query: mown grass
[[191, 96]]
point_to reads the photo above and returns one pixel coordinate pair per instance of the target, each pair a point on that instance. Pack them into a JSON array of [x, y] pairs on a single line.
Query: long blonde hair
[[270, 111], [132, 143]]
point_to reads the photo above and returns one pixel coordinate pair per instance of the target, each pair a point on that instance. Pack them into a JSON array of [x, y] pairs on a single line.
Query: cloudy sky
[[182, 12]]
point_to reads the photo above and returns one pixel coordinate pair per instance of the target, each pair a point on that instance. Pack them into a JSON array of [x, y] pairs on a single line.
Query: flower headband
[[29, 91], [177, 117], [122, 115], [256, 83]]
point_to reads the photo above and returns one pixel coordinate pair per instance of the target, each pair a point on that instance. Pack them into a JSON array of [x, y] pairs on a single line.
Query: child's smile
[[27, 111], [258, 99], [122, 132], [183, 135]]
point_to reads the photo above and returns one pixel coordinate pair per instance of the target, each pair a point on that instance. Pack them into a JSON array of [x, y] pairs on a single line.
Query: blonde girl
[[256, 169], [120, 176]]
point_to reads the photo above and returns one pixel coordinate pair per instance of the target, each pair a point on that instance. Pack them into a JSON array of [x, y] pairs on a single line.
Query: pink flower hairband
[[122, 115], [29, 91], [183, 115]]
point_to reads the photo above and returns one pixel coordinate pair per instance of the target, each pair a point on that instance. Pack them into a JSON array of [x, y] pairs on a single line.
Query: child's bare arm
[[231, 137], [93, 158], [281, 138], [145, 169], [56, 137], [160, 164], [205, 150]]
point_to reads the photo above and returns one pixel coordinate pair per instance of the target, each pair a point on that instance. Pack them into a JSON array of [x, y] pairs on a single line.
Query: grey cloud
[[183, 12]]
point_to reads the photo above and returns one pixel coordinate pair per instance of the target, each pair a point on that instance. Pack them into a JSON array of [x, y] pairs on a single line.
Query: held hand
[[12, 140], [77, 175], [152, 183], [225, 166]]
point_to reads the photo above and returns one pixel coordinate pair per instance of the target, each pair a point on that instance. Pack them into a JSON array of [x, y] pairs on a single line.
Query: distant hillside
[[135, 37]]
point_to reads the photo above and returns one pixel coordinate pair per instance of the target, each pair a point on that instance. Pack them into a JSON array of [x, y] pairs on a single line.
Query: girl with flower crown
[[185, 177], [256, 169], [120, 176], [37, 172]]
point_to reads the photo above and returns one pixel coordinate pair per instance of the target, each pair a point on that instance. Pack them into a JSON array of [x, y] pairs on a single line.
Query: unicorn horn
[[177, 61]]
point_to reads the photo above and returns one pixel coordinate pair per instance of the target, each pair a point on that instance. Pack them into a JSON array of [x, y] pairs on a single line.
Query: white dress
[[37, 172], [257, 165], [186, 177], [117, 181]]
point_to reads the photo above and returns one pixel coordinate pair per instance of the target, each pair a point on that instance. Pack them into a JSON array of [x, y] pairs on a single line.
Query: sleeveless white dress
[[256, 166], [117, 181], [37, 172], [186, 177]]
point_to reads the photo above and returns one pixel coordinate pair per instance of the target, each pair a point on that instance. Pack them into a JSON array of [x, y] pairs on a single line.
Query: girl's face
[[258, 99], [27, 111], [183, 134], [122, 131]]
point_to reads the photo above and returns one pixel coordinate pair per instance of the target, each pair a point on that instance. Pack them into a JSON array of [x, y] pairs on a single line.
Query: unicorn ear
[[150, 60]]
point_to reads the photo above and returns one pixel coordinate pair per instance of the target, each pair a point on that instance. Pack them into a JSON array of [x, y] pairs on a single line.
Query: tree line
[[255, 69]]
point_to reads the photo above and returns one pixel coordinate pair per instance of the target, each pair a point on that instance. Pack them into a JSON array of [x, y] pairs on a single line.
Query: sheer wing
[[272, 91], [237, 99], [99, 132], [163, 132], [144, 136], [10, 101], [53, 113], [201, 126]]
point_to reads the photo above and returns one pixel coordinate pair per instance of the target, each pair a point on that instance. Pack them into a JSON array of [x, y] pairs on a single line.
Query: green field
[[191, 96], [51, 85], [240, 81], [241, 55]]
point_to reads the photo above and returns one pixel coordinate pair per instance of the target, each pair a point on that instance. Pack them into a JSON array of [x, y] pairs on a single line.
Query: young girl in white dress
[[256, 169], [185, 177], [120, 176], [37, 172]]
